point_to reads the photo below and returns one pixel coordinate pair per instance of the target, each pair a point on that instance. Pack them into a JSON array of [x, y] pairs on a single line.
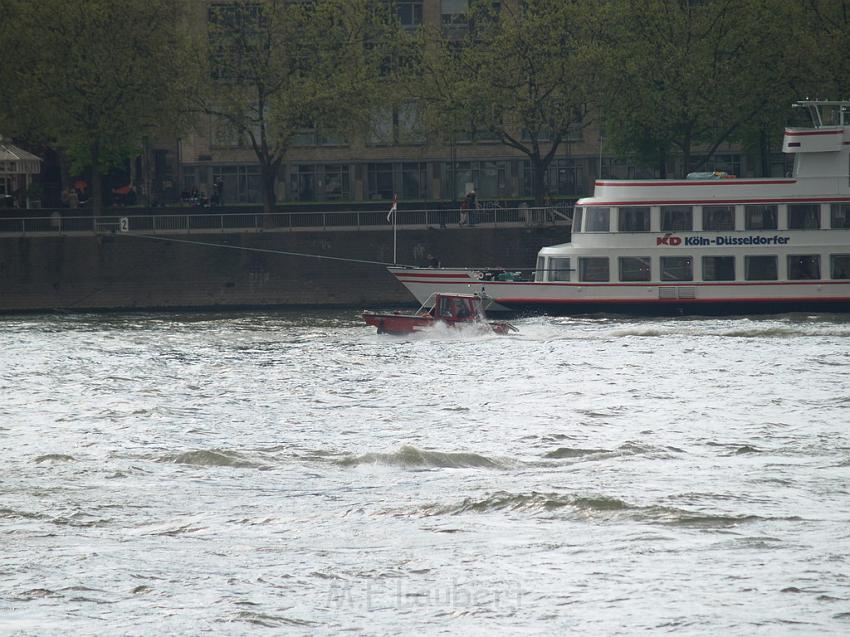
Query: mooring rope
[[265, 250]]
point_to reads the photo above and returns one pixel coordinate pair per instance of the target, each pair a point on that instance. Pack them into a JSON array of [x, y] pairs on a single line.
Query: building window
[[760, 268], [397, 125], [839, 214], [334, 184], [492, 181], [562, 177], [459, 179], [223, 134], [569, 179], [409, 12], [761, 217], [240, 184], [718, 268], [634, 219], [677, 219], [414, 181], [634, 269], [304, 183], [380, 179], [803, 216], [409, 128], [593, 269], [718, 218], [231, 28], [839, 266], [677, 269], [381, 131], [598, 220], [321, 182], [559, 270], [487, 178], [312, 136], [453, 18], [803, 266]]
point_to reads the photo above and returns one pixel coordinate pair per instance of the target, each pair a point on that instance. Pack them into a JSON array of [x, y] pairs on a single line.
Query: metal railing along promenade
[[204, 221]]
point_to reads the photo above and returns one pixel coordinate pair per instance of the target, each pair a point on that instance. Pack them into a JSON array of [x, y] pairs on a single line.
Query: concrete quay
[[102, 268]]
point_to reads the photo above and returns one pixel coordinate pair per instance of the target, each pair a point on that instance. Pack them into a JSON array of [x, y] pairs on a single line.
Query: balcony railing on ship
[[56, 223]]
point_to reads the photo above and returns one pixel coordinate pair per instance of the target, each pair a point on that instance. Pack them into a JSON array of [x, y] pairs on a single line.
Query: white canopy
[[16, 161]]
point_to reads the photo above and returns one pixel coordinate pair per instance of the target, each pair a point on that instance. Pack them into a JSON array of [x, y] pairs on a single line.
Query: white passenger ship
[[709, 244]]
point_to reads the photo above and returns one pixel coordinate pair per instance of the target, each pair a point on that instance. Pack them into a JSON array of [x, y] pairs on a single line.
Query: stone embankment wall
[[125, 271]]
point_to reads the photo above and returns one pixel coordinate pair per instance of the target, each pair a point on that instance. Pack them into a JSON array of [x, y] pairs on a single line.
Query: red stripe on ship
[[402, 278], [739, 299], [791, 133], [697, 182], [696, 202], [428, 275]]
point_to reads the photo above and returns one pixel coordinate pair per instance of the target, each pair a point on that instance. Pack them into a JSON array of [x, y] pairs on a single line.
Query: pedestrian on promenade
[[218, 191], [472, 206]]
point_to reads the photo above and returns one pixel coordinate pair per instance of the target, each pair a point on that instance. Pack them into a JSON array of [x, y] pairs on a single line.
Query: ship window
[[634, 219], [677, 218], [677, 269], [598, 220], [559, 270], [634, 269], [803, 216], [840, 215], [839, 266], [577, 215], [760, 268], [718, 217], [718, 268], [806, 266], [594, 269], [540, 269], [760, 217]]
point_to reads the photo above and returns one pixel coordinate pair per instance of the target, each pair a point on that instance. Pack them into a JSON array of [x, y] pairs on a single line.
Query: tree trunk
[[538, 177], [96, 182], [764, 151], [269, 177], [686, 162]]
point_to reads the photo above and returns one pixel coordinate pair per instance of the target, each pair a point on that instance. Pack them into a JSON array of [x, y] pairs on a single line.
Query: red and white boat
[[709, 244], [450, 309]]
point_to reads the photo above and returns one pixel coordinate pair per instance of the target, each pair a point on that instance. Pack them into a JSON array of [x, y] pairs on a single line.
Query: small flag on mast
[[393, 209]]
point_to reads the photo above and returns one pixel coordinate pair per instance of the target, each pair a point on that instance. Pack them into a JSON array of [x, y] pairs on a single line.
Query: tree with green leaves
[[828, 25], [683, 78], [277, 67], [92, 78], [520, 72]]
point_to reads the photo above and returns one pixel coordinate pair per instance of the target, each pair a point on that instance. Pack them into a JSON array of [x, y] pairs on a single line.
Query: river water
[[286, 474]]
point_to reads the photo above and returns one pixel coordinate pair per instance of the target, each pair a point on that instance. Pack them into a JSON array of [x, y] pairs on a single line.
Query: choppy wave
[[271, 621], [408, 457], [24, 515], [569, 452], [530, 503], [54, 457], [626, 449], [213, 458], [594, 506]]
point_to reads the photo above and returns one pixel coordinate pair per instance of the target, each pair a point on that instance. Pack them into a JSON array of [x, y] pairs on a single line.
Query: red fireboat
[[451, 309]]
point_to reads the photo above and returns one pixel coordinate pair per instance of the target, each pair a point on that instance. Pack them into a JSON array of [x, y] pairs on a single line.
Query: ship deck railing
[[66, 222]]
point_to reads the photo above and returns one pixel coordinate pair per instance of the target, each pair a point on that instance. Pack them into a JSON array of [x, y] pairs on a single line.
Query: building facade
[[395, 157]]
